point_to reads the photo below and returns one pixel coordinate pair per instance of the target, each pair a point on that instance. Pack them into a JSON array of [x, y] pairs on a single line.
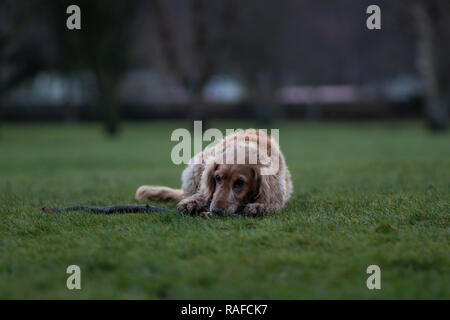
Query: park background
[[86, 117]]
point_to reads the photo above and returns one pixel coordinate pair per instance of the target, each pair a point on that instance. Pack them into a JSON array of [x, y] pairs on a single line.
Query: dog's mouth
[[227, 212]]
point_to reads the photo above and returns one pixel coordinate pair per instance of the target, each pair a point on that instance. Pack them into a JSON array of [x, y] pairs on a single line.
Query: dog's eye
[[218, 178], [238, 183]]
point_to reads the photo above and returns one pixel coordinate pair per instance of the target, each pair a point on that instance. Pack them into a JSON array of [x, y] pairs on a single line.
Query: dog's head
[[231, 186]]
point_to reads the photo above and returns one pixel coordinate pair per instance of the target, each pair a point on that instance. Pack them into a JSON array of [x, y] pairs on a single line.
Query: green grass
[[366, 193]]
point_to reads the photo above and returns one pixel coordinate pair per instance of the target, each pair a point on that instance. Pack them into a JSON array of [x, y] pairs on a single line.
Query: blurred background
[[233, 59]]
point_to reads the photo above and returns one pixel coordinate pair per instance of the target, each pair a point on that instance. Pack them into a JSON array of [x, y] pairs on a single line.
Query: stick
[[128, 208]]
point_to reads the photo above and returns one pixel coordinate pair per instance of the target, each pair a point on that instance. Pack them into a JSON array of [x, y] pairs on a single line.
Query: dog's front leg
[[193, 204]]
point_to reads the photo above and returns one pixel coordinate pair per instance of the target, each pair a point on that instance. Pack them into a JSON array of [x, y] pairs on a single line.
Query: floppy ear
[[268, 191], [208, 181], [256, 185]]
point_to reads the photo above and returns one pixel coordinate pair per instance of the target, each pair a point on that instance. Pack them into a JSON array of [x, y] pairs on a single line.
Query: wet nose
[[217, 210]]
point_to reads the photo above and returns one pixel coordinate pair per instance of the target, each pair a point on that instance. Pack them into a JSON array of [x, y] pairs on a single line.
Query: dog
[[256, 182]]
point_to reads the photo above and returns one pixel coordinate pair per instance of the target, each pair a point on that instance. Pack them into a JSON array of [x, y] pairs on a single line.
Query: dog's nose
[[217, 210]]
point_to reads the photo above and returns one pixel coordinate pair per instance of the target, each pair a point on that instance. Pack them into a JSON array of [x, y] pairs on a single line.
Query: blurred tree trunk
[[264, 98], [109, 107], [435, 110], [101, 46], [20, 62]]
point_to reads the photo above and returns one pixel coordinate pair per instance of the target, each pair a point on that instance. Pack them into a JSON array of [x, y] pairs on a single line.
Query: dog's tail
[[158, 193]]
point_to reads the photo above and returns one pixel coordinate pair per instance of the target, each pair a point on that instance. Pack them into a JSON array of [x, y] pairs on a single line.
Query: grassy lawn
[[365, 193]]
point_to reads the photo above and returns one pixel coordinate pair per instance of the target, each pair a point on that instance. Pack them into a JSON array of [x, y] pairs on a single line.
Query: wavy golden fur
[[210, 183]]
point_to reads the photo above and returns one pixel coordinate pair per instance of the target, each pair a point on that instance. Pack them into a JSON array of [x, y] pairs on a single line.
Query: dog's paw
[[191, 206], [254, 209]]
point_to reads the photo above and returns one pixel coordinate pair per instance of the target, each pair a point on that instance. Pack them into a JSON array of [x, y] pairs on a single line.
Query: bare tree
[[207, 48], [101, 46], [19, 61], [435, 110]]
